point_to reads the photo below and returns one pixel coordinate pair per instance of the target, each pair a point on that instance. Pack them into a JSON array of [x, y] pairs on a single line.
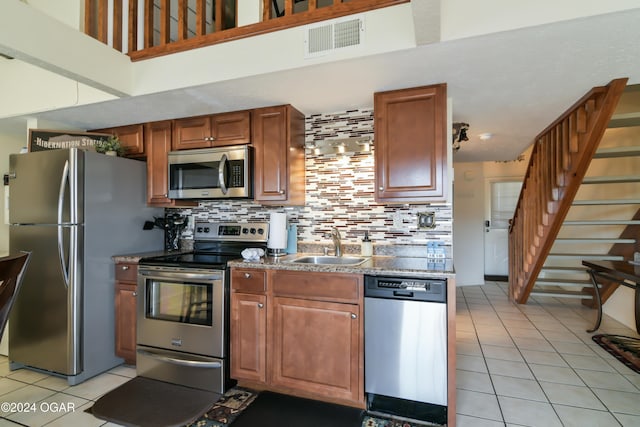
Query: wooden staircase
[[562, 275], [559, 161]]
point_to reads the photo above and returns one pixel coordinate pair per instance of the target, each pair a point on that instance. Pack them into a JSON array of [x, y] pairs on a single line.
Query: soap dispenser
[[366, 249]]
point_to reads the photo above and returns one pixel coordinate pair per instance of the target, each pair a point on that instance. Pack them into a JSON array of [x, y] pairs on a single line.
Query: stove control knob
[[199, 229], [245, 230], [253, 230], [206, 229], [260, 231]]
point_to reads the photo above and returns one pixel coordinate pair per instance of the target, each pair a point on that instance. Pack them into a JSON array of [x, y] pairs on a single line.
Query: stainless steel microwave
[[211, 173]]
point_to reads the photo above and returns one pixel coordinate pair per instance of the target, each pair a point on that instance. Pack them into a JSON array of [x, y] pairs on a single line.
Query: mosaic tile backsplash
[[340, 193]]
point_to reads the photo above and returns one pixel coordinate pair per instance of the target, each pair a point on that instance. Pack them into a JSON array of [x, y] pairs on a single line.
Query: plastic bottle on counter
[[366, 248]]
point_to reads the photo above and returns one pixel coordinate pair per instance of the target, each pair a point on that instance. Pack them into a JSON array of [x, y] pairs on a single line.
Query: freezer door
[[44, 327], [44, 187]]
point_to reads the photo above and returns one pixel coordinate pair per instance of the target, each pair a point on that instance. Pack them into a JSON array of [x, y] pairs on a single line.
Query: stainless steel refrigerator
[[74, 210]]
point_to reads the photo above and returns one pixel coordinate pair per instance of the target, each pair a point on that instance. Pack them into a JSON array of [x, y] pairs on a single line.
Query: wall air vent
[[333, 36]]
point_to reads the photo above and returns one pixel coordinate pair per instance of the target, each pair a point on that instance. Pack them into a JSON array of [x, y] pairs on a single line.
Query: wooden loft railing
[[166, 30], [559, 160]]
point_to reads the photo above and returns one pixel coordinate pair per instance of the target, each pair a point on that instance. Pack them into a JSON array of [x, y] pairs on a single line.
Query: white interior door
[[500, 205]]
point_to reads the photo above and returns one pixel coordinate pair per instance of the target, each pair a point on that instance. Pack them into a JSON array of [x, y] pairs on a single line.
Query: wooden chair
[[12, 270]]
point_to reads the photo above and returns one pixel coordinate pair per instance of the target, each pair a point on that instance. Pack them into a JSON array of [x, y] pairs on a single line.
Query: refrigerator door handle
[[63, 185]]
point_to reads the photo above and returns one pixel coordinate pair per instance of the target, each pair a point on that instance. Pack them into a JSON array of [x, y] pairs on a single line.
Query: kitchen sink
[[329, 260]]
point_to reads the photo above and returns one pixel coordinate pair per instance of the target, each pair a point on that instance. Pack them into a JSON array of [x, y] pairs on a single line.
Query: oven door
[[182, 310], [210, 173]]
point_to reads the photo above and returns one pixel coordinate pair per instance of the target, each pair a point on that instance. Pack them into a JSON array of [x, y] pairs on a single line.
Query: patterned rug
[[234, 401], [625, 349], [225, 410]]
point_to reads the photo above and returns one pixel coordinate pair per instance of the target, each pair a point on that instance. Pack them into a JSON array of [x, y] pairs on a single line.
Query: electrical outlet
[[426, 220]]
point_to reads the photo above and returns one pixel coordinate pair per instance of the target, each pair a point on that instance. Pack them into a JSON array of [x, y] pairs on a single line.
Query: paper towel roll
[[277, 231]]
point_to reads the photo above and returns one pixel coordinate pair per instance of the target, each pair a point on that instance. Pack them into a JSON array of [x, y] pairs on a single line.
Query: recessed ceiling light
[[485, 136]]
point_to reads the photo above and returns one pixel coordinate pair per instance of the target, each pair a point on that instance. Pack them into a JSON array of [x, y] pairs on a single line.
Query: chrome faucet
[[335, 235]]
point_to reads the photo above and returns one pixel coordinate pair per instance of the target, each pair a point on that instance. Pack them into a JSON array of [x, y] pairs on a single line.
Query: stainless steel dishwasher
[[406, 347]]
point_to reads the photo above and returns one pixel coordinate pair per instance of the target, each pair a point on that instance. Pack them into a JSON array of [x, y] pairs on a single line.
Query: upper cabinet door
[[131, 137], [231, 128], [212, 131], [278, 139], [193, 132], [410, 144]]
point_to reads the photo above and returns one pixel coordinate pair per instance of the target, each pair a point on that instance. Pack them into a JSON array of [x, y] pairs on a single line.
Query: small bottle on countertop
[[366, 248]]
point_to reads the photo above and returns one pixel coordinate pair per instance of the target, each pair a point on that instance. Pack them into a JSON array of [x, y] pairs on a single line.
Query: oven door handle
[[180, 362], [182, 275]]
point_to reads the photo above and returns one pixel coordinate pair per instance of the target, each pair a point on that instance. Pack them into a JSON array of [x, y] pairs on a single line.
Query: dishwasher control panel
[[434, 290]]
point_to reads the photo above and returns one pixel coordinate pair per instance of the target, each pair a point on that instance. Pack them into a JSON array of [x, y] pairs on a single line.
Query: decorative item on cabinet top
[[339, 146]]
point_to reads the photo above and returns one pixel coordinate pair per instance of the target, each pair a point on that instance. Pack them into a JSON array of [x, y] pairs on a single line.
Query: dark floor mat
[[625, 349], [143, 402], [278, 410]]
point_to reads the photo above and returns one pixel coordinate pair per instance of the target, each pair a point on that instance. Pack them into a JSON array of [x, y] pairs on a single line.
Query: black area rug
[[143, 402], [278, 410], [625, 349]]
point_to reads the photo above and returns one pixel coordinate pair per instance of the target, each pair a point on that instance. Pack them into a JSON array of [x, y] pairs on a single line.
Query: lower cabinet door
[[316, 347], [126, 321], [248, 337]]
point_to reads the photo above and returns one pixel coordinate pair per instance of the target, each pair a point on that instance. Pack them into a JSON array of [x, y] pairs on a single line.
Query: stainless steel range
[[183, 308]]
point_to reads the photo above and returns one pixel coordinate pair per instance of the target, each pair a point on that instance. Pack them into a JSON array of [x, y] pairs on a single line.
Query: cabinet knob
[[125, 267], [260, 305], [281, 191], [354, 316], [247, 275], [381, 188], [134, 293]]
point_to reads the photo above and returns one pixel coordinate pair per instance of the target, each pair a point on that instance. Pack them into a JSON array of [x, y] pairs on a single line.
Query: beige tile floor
[[530, 365]]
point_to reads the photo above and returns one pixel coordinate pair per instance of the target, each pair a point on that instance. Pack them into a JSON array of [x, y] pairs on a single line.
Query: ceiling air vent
[[329, 37]]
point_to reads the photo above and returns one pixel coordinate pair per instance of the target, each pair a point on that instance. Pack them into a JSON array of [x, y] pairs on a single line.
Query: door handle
[[222, 174], [61, 255]]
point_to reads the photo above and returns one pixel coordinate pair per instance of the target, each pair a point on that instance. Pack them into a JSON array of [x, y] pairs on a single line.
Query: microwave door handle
[[222, 174]]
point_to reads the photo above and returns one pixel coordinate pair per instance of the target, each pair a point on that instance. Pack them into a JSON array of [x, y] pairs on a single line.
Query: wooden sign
[[41, 140]]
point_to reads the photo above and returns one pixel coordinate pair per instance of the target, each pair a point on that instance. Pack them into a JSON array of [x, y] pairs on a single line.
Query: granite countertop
[[134, 258], [379, 265]]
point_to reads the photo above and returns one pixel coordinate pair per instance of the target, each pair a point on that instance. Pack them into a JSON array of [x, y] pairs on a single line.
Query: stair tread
[[548, 280], [610, 152], [610, 179], [574, 255], [603, 222], [606, 202], [594, 240], [561, 293]]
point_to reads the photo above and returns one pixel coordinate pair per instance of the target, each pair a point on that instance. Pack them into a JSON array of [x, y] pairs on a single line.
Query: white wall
[[464, 18], [468, 230], [469, 200], [11, 141]]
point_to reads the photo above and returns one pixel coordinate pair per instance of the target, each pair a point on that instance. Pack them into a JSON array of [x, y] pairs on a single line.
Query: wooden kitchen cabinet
[[125, 311], [411, 145], [212, 131], [278, 140], [157, 146], [249, 337], [316, 346], [248, 327], [305, 339], [131, 138]]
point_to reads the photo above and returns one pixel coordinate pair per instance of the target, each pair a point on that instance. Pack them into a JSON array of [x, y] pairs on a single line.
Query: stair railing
[[559, 160]]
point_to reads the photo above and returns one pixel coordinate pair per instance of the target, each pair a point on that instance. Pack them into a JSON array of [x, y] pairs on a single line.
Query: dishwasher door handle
[[405, 294]]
